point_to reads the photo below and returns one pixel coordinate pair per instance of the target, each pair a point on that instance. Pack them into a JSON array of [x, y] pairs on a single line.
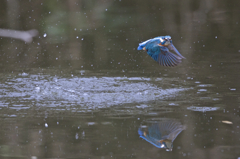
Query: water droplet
[[83, 133], [105, 9], [215, 37], [46, 125], [76, 136], [77, 37], [82, 39], [45, 35]]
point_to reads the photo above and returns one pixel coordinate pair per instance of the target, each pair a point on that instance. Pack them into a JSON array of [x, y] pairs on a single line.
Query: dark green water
[[81, 89]]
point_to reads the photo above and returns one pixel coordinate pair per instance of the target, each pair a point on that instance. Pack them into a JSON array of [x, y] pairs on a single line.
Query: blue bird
[[162, 134], [158, 48]]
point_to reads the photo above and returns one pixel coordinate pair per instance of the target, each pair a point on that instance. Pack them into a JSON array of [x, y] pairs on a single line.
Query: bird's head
[[165, 40], [167, 144]]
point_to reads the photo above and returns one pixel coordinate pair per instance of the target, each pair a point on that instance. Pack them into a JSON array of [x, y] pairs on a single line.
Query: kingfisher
[[158, 48], [161, 134]]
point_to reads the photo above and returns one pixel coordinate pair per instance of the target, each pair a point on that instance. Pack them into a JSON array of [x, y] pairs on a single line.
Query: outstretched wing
[[171, 129], [172, 47], [166, 58], [163, 56]]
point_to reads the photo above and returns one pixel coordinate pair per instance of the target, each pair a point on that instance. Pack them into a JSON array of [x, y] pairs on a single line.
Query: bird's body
[[158, 48]]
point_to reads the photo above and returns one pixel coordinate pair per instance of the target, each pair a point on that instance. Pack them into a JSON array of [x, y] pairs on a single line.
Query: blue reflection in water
[[161, 134]]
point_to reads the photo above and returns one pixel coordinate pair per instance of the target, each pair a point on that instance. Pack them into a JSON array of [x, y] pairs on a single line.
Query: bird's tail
[[140, 47]]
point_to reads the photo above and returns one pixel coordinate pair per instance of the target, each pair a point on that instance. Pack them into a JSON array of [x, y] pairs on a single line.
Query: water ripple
[[87, 92]]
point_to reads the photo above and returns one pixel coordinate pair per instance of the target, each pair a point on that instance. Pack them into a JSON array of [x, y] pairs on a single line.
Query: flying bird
[[158, 48]]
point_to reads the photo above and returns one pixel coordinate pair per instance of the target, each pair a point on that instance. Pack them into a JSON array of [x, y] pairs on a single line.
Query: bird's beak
[[172, 47]]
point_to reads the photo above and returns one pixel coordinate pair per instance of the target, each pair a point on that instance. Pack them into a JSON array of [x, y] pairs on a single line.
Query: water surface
[[82, 90]]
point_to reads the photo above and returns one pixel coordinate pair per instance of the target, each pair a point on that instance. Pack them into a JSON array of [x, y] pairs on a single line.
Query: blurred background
[[81, 89]]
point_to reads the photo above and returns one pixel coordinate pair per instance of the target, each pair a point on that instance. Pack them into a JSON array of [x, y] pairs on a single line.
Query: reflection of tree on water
[[161, 133]]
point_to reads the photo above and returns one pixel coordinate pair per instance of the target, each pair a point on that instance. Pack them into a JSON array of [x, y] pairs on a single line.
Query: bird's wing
[[167, 58], [172, 136], [172, 47], [163, 56], [173, 129]]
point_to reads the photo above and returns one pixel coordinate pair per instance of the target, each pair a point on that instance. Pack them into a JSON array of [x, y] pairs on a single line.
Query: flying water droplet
[[76, 136]]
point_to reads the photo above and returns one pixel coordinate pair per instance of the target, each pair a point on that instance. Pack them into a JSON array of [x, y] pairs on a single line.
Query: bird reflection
[[158, 48], [161, 134]]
